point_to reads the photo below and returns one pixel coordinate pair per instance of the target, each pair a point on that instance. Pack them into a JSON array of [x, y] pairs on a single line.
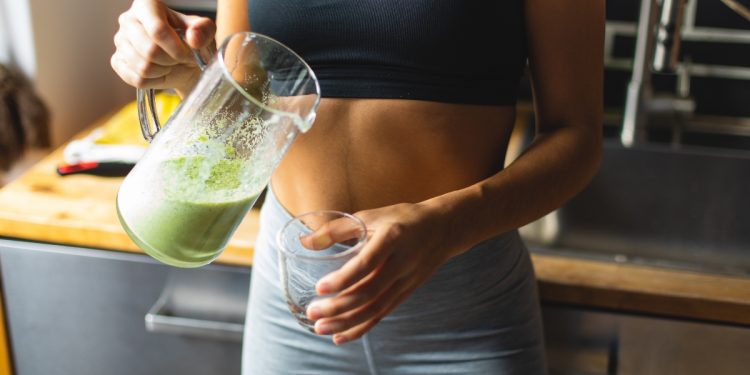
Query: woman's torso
[[418, 97], [366, 153]]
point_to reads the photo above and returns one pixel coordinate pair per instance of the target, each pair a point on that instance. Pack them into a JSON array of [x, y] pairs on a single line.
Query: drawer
[[88, 311]]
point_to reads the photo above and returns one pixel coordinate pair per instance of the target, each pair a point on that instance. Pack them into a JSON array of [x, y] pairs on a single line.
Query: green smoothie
[[202, 204]]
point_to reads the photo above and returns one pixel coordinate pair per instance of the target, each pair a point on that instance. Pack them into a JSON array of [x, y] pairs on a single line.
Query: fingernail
[[324, 286], [322, 241], [339, 339], [324, 328], [314, 312]]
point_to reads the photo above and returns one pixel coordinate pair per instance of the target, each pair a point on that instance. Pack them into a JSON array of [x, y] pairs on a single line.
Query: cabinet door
[[83, 311], [595, 342]]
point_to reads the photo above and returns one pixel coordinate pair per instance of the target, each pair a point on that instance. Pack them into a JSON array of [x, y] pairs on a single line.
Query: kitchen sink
[[654, 204]]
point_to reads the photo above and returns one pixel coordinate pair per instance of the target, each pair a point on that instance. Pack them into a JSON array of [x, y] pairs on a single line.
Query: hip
[[478, 314]]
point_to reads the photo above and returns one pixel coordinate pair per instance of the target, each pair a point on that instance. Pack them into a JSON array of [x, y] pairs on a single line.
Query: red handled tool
[[108, 169]]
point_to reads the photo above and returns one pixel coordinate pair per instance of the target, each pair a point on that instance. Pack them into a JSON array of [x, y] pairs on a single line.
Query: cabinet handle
[[158, 321]]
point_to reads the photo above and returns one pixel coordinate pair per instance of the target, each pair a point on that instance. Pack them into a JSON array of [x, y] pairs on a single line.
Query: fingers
[[136, 61], [149, 51], [373, 287], [353, 326], [133, 41], [375, 252], [134, 76], [375, 307], [159, 24], [357, 331], [199, 31], [179, 77]]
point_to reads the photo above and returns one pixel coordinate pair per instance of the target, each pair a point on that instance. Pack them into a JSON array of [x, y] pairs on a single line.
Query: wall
[[16, 38], [65, 49]]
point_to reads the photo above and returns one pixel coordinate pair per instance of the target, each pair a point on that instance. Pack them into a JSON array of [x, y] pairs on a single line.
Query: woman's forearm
[[231, 17], [552, 170]]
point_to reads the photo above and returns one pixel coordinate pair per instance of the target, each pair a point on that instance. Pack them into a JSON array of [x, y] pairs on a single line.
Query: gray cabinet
[[92, 312], [596, 342]]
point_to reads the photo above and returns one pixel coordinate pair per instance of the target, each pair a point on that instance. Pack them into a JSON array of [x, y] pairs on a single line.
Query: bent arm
[[565, 41]]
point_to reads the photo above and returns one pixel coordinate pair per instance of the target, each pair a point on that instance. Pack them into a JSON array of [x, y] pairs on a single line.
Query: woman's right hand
[[149, 51]]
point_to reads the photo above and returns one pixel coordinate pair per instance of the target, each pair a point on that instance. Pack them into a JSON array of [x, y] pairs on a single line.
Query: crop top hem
[[368, 84]]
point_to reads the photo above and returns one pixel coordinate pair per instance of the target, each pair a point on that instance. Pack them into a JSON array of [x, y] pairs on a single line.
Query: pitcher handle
[[147, 104]]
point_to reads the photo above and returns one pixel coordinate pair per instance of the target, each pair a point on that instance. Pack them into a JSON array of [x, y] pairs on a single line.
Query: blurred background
[[63, 49]]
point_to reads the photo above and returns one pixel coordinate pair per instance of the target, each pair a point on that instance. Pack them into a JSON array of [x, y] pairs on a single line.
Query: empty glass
[[313, 245]]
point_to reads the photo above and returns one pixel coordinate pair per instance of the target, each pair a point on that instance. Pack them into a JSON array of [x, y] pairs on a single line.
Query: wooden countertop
[[80, 210], [642, 289]]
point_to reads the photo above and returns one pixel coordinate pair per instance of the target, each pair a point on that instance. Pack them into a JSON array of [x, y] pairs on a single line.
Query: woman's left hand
[[406, 246]]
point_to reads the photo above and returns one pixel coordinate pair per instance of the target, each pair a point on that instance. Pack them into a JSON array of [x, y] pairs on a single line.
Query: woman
[[419, 103]]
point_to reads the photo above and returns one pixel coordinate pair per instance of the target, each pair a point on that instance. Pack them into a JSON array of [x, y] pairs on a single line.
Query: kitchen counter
[[642, 289], [79, 210]]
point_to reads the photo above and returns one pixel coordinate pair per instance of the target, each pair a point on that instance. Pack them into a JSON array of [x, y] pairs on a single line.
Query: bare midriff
[[368, 153]]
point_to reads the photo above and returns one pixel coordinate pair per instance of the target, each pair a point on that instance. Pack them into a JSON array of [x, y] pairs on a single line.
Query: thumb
[[199, 31]]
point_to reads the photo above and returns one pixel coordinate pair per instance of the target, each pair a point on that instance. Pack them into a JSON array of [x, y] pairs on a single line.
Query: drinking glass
[[313, 245]]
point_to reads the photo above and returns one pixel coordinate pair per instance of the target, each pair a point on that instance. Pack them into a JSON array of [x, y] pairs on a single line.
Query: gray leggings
[[478, 314]]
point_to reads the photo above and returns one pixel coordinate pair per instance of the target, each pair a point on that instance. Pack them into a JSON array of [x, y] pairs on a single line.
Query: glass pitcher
[[205, 168]]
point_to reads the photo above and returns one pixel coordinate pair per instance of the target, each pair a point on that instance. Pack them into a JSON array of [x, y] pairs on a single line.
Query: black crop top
[[457, 51]]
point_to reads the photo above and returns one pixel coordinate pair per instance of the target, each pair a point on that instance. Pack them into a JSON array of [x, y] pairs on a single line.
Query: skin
[[425, 177]]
